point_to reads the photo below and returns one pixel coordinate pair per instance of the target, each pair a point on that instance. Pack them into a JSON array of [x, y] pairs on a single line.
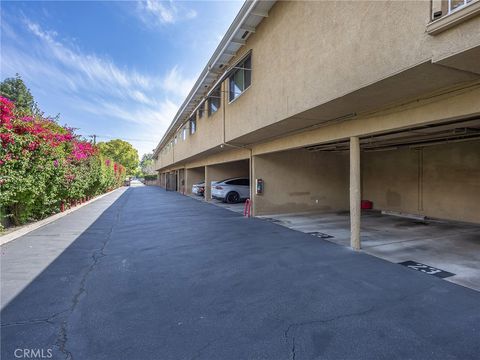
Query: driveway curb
[[36, 225]]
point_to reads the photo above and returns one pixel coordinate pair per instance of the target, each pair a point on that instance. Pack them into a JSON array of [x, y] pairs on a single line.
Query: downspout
[[224, 108]]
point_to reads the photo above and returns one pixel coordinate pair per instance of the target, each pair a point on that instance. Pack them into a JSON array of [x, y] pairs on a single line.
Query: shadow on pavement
[[160, 276]]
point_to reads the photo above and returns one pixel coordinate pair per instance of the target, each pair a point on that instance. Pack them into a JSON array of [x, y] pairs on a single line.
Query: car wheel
[[232, 197]]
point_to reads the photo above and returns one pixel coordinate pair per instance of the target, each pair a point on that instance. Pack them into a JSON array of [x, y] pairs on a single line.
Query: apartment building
[[328, 103]]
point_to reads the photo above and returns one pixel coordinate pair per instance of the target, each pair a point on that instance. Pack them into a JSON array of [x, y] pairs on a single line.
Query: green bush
[[150, 177], [44, 165]]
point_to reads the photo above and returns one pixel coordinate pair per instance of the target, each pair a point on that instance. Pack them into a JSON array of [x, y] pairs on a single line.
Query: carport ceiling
[[413, 137]]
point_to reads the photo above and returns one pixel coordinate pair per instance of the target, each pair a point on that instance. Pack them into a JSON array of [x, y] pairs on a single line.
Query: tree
[[121, 152], [15, 90], [147, 164]]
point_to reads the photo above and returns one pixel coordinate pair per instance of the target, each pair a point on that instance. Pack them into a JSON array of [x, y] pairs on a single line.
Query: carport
[[301, 180], [180, 180], [423, 183], [222, 171], [193, 176], [171, 181], [431, 171]]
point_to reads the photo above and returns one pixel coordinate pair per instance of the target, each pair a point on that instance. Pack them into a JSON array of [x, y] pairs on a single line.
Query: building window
[[176, 140], [184, 134], [457, 4], [193, 126], [240, 79], [214, 101], [201, 110]]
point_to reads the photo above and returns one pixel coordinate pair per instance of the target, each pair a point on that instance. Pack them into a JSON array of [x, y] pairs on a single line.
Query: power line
[[95, 136]]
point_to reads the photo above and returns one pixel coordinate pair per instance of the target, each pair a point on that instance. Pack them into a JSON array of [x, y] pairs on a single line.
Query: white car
[[198, 188], [232, 190]]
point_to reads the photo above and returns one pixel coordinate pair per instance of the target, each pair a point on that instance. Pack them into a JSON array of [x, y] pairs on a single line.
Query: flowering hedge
[[44, 167]]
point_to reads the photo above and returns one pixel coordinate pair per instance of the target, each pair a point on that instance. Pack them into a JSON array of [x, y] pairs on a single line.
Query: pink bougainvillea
[[82, 150], [6, 139], [6, 112], [30, 188]]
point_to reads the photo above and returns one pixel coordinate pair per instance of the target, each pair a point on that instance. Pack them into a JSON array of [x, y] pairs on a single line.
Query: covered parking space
[[300, 180], [181, 188], [423, 183], [226, 170], [193, 176], [171, 180]]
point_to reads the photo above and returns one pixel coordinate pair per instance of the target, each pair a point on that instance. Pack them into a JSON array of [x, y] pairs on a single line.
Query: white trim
[[243, 92], [457, 16], [465, 3]]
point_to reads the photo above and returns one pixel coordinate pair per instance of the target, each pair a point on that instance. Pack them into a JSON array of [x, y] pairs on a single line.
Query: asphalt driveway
[[148, 274]]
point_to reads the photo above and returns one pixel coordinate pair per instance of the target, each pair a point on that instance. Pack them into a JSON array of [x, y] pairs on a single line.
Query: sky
[[117, 69]]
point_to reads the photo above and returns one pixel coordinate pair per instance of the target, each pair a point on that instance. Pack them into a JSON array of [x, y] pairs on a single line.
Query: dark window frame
[[193, 129], [214, 97]]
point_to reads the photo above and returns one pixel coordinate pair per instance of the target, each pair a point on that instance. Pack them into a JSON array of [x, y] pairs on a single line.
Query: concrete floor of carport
[[449, 246], [238, 207]]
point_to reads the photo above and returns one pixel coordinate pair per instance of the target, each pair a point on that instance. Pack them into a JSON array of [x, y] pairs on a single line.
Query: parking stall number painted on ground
[[427, 269]]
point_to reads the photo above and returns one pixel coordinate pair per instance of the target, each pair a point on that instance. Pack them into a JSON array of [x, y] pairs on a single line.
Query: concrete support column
[[181, 181], [177, 173], [253, 176], [208, 179], [355, 195], [185, 182]]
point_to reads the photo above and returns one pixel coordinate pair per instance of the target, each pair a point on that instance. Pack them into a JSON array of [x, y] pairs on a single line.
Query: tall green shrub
[[43, 165]]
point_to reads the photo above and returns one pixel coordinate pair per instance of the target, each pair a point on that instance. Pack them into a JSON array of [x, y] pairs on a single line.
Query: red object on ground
[[246, 209], [366, 205], [62, 206]]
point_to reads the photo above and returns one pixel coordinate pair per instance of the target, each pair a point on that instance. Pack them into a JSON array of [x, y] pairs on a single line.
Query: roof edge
[[209, 69]]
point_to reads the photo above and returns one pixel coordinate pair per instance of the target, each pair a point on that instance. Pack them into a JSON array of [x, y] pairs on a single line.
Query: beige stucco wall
[[299, 180], [440, 181], [223, 155], [209, 134], [307, 53], [451, 106]]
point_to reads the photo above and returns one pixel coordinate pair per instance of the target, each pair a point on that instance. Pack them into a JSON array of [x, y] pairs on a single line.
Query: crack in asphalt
[[48, 320], [295, 326], [199, 351], [98, 254]]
